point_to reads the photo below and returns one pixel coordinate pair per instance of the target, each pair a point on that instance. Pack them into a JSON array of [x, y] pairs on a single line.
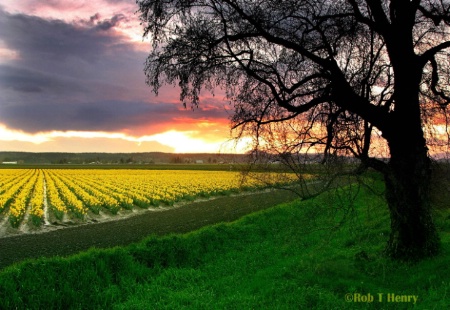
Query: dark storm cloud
[[75, 76], [38, 39], [97, 23], [88, 116], [29, 81], [80, 76], [110, 23]]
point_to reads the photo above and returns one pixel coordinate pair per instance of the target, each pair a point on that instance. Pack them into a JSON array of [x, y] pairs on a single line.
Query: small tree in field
[[335, 73]]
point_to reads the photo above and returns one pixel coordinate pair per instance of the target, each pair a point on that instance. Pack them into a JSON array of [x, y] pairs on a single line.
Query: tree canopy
[[337, 72]]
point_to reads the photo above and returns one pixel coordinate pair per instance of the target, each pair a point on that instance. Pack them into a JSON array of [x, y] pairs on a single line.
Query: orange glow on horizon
[[193, 141]]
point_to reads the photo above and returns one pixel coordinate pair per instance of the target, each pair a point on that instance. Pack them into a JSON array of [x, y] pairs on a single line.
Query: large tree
[[350, 66]]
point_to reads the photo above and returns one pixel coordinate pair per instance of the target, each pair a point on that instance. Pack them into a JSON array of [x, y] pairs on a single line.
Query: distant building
[[9, 163], [199, 161]]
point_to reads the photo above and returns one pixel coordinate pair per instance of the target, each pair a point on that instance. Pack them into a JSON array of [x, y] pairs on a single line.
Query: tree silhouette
[[335, 71]]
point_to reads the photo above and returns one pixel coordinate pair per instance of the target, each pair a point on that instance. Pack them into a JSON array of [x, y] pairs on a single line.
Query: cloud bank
[[69, 66]]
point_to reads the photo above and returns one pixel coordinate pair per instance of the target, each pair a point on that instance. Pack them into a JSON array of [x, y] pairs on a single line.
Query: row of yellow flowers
[[79, 190], [20, 201], [13, 183], [37, 200], [89, 200], [112, 197], [146, 187], [54, 200], [62, 197]]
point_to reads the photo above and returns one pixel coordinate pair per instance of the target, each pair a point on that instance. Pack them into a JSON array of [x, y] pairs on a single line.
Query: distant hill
[[117, 158]]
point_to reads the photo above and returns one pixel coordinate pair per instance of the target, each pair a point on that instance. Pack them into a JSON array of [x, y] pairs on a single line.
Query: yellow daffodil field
[[34, 195]]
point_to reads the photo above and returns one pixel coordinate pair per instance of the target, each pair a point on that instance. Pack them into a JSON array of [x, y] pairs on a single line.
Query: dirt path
[[124, 231]]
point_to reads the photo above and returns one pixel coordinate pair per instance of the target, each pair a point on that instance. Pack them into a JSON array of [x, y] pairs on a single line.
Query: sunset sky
[[72, 80]]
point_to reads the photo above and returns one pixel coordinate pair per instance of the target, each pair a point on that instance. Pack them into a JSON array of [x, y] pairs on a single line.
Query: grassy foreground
[[324, 253]]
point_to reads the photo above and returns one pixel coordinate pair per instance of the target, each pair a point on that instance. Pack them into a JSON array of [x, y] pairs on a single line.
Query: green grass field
[[323, 253]]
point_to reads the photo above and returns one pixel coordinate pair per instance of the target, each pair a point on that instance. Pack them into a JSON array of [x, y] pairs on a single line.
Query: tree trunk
[[407, 177], [413, 233]]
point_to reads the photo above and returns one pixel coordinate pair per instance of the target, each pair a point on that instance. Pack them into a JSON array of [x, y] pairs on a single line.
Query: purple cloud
[[83, 75]]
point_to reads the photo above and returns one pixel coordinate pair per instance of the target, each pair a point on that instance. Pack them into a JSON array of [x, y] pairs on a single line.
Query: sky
[[72, 80]]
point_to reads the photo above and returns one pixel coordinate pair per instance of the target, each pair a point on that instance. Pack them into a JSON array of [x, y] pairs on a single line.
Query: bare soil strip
[[46, 222], [4, 224], [123, 231], [24, 225]]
